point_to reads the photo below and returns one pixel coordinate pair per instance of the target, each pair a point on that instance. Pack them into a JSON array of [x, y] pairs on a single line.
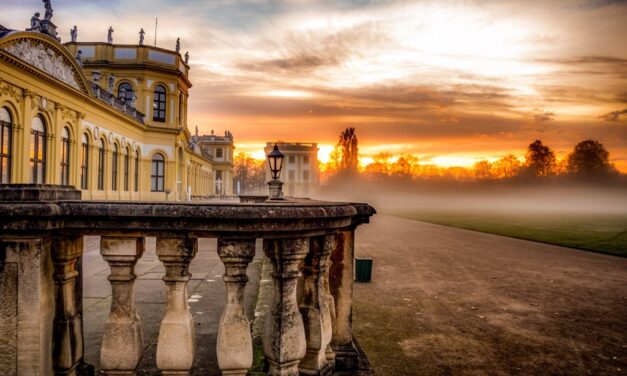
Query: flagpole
[[156, 20]]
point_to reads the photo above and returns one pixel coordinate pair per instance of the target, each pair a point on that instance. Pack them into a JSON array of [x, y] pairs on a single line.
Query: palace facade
[[300, 175], [109, 119]]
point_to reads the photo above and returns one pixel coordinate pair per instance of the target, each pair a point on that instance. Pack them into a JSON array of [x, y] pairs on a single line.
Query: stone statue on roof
[[35, 23], [187, 57], [110, 35], [48, 14], [74, 34], [141, 36], [178, 44]]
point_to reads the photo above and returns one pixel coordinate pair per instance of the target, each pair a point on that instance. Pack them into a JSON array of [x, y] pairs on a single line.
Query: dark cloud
[[305, 52], [544, 116], [614, 115]]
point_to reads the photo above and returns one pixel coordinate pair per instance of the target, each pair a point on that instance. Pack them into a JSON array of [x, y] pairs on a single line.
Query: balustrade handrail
[[306, 239]]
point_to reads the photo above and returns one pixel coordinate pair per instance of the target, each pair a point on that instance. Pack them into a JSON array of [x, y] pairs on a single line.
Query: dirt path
[[445, 301]]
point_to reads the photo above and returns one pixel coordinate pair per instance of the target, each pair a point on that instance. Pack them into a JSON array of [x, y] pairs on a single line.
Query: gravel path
[[445, 301]]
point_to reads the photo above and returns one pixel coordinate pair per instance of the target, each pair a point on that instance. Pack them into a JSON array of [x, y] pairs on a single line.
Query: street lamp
[[275, 162]]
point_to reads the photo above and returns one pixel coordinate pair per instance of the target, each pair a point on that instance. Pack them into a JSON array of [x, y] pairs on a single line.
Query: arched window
[[114, 168], [6, 123], [101, 165], [158, 104], [136, 177], [65, 156], [38, 151], [127, 166], [158, 173], [125, 92], [85, 162]]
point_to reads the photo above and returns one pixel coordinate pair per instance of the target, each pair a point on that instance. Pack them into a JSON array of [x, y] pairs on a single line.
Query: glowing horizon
[[450, 82]]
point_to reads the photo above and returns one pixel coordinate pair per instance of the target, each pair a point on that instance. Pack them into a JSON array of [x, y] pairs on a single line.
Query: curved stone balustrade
[[309, 243]]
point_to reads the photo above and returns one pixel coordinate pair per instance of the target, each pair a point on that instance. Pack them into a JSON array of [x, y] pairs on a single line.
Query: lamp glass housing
[[275, 161]]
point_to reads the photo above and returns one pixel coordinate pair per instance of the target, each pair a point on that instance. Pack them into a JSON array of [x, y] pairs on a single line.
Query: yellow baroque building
[[112, 122]]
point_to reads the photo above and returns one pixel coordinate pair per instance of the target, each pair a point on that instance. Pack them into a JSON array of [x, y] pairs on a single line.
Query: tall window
[[158, 173], [38, 151], [101, 165], [125, 92], [114, 168], [158, 104], [127, 166], [136, 172], [219, 153], [65, 156], [85, 162], [5, 145]]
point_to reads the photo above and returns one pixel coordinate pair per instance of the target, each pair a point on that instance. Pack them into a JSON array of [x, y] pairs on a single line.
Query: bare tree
[[348, 146]]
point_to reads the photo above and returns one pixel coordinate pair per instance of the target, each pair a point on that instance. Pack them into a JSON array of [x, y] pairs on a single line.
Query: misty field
[[599, 232]]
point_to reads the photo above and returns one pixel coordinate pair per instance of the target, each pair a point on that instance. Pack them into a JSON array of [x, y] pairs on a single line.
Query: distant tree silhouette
[[540, 159], [250, 173], [506, 167], [348, 146], [482, 170], [589, 158]]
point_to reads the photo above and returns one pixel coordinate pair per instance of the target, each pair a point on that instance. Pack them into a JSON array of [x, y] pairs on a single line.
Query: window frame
[[85, 162], [136, 172], [157, 176], [127, 98], [115, 160], [38, 151], [101, 166], [159, 104], [6, 147], [127, 167], [65, 156]]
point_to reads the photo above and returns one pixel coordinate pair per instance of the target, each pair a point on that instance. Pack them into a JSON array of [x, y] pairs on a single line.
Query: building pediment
[[46, 55]]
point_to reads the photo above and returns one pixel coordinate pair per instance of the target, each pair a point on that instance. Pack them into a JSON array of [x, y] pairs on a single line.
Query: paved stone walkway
[[206, 291], [445, 301]]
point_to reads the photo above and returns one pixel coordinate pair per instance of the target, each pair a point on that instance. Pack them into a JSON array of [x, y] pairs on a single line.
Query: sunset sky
[[449, 81]]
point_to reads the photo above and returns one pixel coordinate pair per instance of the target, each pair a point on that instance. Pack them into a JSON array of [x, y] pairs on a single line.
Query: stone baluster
[[284, 342], [177, 341], [122, 342], [314, 308], [234, 348], [67, 348], [341, 286], [329, 246]]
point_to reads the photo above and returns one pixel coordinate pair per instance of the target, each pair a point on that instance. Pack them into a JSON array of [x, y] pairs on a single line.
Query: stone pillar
[[26, 307], [315, 307], [177, 341], [341, 286], [284, 334], [122, 342], [330, 243], [67, 349], [235, 348]]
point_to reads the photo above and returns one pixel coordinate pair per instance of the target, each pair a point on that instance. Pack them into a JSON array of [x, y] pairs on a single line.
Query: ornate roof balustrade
[[41, 244], [116, 102]]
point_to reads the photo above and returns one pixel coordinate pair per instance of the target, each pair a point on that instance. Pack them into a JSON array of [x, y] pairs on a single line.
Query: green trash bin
[[363, 269]]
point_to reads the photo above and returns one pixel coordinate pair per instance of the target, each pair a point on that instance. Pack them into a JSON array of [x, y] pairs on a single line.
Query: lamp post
[[275, 161]]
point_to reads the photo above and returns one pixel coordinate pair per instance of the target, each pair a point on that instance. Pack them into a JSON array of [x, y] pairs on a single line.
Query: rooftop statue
[[178, 44], [48, 6], [141, 36], [74, 34], [35, 23], [110, 35], [187, 57]]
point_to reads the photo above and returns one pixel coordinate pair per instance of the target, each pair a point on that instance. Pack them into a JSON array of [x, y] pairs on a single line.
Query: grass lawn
[[605, 233]]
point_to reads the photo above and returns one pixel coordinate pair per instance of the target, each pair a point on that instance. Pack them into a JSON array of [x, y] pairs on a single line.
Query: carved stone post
[[67, 349], [330, 243], [314, 307], [341, 286], [284, 334], [235, 349], [122, 342], [177, 341]]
